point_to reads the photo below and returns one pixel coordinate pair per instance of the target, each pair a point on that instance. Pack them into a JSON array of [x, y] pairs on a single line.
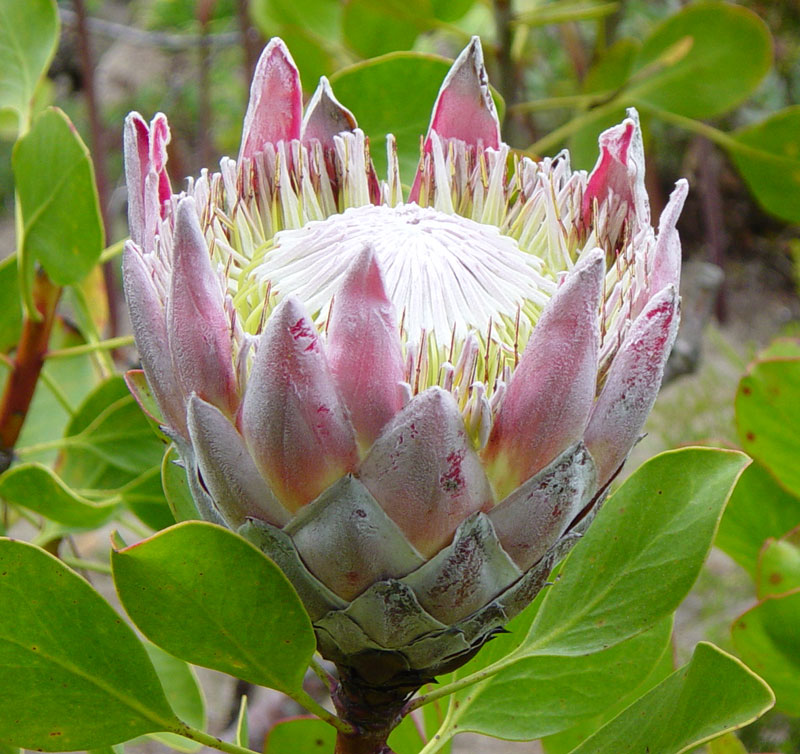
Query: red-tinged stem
[[98, 143], [26, 366]]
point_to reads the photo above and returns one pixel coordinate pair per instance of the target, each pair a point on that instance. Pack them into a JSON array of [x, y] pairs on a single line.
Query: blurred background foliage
[[717, 85]]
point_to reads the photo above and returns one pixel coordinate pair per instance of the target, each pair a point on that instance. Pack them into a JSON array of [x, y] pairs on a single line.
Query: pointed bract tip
[[325, 116], [274, 112], [187, 225], [592, 260], [464, 108], [365, 274]]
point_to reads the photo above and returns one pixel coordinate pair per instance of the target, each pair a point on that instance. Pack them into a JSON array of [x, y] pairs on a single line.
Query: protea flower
[[413, 405]]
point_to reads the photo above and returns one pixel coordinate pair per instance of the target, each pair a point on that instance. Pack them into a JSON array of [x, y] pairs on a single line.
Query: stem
[[554, 138], [716, 135], [207, 739], [27, 365], [461, 683], [135, 527], [312, 705], [86, 565], [713, 215], [103, 345], [556, 103], [111, 252], [322, 674]]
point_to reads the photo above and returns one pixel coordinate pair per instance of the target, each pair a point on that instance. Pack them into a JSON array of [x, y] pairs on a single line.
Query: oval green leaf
[[393, 94], [692, 63], [62, 645], [567, 689], [206, 595], [184, 695], [779, 565], [311, 30], [61, 220], [768, 418], [767, 638], [711, 695], [759, 508], [771, 164], [109, 442], [375, 27], [641, 555], [28, 37], [38, 489], [567, 740]]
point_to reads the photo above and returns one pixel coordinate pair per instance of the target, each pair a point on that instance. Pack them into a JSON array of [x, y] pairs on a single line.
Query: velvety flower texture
[[413, 405]]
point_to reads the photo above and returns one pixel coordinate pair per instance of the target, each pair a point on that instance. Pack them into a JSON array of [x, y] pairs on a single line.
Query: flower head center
[[446, 275]]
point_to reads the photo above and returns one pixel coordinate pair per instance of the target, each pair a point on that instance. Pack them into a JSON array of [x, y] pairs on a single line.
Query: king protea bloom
[[412, 400]]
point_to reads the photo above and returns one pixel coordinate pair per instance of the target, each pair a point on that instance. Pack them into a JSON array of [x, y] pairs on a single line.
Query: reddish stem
[[27, 364]]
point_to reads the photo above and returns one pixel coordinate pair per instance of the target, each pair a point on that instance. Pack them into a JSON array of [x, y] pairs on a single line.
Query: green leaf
[[781, 348], [772, 172], [641, 555], [11, 321], [62, 645], [176, 487], [38, 489], [183, 693], [567, 740], [393, 94], [28, 38], [206, 595], [712, 694], [311, 30], [779, 565], [767, 637], [375, 28], [145, 497], [768, 417], [302, 734], [451, 10], [759, 508], [567, 689], [110, 447], [62, 227], [109, 442], [692, 63]]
